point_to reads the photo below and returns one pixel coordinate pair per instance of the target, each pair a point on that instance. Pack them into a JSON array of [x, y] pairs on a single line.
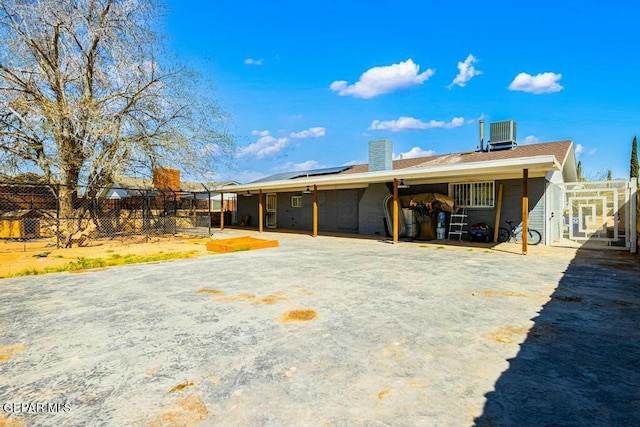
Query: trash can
[[427, 228]]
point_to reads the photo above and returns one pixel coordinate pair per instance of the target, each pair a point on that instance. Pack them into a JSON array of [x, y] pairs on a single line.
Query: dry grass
[[81, 263], [36, 260]]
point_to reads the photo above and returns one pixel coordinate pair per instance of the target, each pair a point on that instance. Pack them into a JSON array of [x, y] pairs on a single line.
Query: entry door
[[271, 219], [556, 212]]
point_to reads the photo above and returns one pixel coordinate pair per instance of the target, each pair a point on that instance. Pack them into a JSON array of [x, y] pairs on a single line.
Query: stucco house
[[484, 183]]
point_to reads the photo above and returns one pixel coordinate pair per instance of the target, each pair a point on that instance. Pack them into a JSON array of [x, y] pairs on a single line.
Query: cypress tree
[[609, 175], [634, 160], [579, 171]]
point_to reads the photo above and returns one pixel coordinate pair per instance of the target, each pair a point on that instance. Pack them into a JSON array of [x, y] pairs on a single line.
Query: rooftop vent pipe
[[481, 147]]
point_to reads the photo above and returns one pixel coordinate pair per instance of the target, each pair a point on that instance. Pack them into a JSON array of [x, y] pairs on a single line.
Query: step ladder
[[458, 224]]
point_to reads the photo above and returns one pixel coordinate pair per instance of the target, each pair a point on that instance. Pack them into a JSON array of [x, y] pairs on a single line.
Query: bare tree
[[87, 92]]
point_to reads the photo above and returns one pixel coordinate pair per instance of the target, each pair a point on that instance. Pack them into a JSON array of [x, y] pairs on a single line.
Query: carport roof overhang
[[497, 168]]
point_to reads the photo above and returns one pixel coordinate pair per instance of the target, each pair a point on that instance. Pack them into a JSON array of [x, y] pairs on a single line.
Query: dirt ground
[[19, 256], [16, 256]]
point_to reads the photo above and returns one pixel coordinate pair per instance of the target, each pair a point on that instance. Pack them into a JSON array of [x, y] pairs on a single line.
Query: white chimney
[[380, 155]]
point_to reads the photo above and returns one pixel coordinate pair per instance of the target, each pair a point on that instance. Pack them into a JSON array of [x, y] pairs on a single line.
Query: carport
[[521, 169]]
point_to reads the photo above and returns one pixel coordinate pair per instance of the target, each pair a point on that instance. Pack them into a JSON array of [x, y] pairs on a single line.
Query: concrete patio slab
[[328, 331]]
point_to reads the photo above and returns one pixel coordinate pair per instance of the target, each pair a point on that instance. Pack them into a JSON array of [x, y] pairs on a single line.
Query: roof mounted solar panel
[[302, 174]]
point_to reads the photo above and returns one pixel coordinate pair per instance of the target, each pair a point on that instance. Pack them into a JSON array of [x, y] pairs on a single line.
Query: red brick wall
[[167, 180]]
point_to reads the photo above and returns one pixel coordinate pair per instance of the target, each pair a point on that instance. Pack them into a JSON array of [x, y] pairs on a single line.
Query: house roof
[[23, 178], [197, 187], [133, 183], [538, 158], [301, 174], [558, 149]]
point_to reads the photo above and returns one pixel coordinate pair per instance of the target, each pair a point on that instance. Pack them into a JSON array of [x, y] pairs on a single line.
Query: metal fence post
[[209, 206], [57, 216], [146, 217]]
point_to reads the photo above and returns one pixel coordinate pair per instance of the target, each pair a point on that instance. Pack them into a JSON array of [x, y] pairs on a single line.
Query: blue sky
[[308, 84]]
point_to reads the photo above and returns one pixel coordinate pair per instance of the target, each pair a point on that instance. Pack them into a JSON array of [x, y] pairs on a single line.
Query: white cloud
[[315, 132], [542, 83], [413, 153], [404, 123], [260, 132], [581, 149], [466, 71], [530, 140], [352, 163], [294, 167], [265, 146], [380, 80], [251, 61], [481, 117]]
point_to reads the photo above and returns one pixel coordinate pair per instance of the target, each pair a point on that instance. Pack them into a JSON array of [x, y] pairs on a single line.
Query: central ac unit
[[502, 135]]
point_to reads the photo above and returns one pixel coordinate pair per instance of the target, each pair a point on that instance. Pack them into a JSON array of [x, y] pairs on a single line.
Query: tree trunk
[[70, 217]]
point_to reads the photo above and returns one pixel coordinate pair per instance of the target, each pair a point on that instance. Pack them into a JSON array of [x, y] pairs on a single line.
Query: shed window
[[296, 201], [473, 194]]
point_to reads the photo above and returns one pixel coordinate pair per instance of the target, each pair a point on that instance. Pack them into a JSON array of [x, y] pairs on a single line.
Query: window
[[473, 194], [296, 201]]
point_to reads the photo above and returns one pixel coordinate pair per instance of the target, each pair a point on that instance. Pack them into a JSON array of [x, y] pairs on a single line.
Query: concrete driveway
[[328, 331]]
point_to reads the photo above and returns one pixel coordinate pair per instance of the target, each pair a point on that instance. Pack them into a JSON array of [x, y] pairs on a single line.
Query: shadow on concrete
[[351, 235], [580, 362]]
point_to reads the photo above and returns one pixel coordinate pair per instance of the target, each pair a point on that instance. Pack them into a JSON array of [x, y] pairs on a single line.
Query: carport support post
[[260, 219], [221, 211], [395, 210], [525, 210], [315, 210], [496, 228]]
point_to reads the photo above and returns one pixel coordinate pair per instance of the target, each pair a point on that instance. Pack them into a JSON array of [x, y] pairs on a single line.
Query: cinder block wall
[[638, 222], [371, 211], [294, 218], [337, 210], [512, 205], [248, 206]]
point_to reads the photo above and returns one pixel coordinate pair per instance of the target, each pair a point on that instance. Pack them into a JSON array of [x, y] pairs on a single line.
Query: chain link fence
[[37, 215]]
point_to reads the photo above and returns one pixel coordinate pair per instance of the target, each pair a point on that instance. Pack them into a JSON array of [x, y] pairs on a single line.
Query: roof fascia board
[[534, 163], [569, 171], [566, 155]]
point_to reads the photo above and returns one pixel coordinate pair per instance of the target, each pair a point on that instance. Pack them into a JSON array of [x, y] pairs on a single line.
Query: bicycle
[[514, 233]]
